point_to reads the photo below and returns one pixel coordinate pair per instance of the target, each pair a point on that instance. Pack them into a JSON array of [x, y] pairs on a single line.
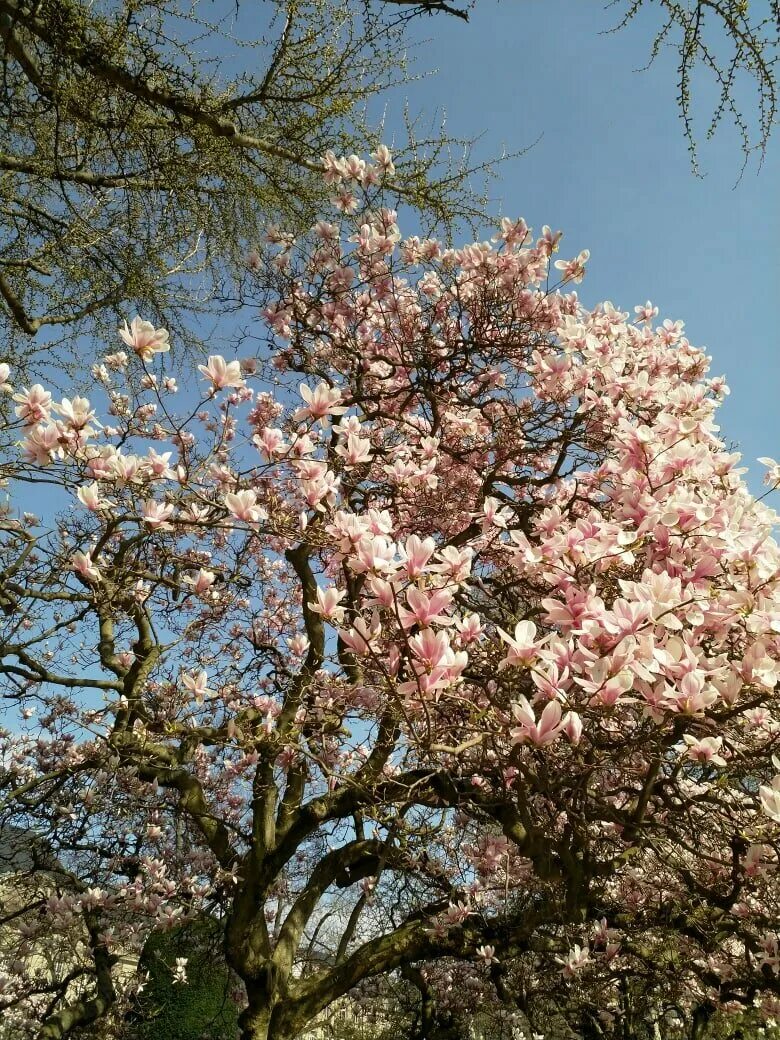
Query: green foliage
[[149, 143], [735, 43], [201, 1008]]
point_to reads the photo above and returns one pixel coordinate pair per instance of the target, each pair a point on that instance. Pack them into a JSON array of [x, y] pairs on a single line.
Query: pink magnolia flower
[[5, 375], [202, 581], [646, 312], [298, 644], [456, 563], [577, 959], [42, 444], [34, 405], [361, 638], [770, 799], [426, 609], [221, 373], [549, 240], [384, 160], [89, 496], [76, 412], [692, 696], [571, 725], [416, 553], [197, 684], [158, 466], [145, 339], [604, 688], [540, 733], [83, 565], [455, 914], [374, 554], [574, 270], [432, 648], [772, 476], [705, 750], [270, 442], [327, 604], [487, 954], [243, 505], [322, 401], [116, 362], [334, 168], [494, 514], [603, 934], [156, 515], [522, 648], [470, 628], [355, 450]]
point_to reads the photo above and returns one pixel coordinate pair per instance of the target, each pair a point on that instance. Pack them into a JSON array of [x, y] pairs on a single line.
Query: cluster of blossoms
[[461, 561]]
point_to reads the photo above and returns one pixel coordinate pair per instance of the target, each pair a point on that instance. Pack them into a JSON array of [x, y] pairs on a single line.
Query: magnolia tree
[[450, 603]]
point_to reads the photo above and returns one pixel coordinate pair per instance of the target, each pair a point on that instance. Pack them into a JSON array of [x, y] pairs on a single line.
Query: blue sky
[[612, 171]]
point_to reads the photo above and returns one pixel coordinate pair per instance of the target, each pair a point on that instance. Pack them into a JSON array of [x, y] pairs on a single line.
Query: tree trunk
[[701, 1017], [270, 1016], [255, 1019]]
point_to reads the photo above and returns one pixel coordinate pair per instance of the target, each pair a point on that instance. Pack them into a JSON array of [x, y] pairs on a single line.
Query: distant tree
[[148, 143], [733, 42]]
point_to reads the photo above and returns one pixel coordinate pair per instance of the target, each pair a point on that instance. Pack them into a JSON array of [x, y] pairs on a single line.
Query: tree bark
[[255, 1019]]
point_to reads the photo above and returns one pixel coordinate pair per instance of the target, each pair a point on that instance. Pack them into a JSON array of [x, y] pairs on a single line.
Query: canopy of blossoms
[[450, 604]]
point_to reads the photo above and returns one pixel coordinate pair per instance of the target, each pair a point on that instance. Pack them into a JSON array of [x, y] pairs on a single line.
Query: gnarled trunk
[[255, 1019]]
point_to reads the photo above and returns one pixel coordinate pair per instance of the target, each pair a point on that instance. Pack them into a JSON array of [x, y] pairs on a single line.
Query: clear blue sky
[[612, 171]]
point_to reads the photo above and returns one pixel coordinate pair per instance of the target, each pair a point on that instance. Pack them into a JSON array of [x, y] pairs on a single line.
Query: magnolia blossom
[[772, 475], [426, 608], [202, 581], [577, 959], [494, 514], [646, 312], [361, 638], [89, 496], [574, 270], [83, 565], [328, 604], [540, 733], [487, 954], [221, 373], [34, 405], [416, 553], [76, 412], [705, 750], [384, 160], [321, 402], [549, 727], [770, 799], [355, 450], [157, 514], [298, 644], [197, 684], [5, 375], [145, 339], [243, 505], [470, 628], [522, 648]]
